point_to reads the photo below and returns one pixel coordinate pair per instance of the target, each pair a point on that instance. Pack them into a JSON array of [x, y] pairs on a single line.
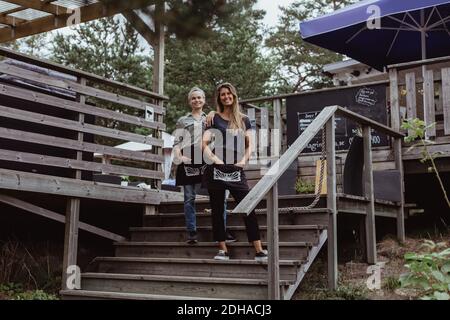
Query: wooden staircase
[[157, 263]]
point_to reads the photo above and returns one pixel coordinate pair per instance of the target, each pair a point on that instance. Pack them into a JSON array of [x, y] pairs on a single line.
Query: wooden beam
[[394, 100], [26, 206], [40, 6], [158, 49], [115, 153], [264, 134], [141, 27], [11, 21], [75, 126], [82, 100], [78, 73], [32, 182], [86, 13], [278, 134], [397, 144], [368, 122], [111, 152], [446, 99], [428, 103], [411, 99], [251, 114], [81, 89], [331, 203], [43, 160], [273, 244], [70, 238], [371, 243]]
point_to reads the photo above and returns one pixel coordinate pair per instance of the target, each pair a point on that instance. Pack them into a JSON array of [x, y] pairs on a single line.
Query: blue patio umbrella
[[383, 32]]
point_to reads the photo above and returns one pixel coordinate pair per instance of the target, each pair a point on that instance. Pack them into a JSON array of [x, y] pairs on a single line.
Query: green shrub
[[391, 283], [429, 272], [34, 295], [303, 186]]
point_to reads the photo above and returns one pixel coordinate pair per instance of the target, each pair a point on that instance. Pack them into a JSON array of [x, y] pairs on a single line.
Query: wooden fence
[[59, 129]]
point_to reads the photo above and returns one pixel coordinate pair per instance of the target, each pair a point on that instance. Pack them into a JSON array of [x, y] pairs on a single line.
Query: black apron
[[225, 176], [188, 174]]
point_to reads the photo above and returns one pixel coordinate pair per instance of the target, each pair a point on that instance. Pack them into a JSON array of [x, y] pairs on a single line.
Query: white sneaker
[[222, 255], [261, 256]]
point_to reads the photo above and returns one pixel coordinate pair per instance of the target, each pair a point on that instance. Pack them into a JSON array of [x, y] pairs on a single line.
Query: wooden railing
[[61, 122], [267, 187], [422, 89]]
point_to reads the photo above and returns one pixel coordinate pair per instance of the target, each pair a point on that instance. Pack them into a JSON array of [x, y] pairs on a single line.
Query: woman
[[232, 148], [188, 156]]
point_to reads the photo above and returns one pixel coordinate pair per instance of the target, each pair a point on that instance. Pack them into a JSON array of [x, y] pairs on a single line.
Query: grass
[[29, 270]]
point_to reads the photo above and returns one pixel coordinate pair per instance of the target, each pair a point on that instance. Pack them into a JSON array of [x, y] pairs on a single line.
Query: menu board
[[366, 101]]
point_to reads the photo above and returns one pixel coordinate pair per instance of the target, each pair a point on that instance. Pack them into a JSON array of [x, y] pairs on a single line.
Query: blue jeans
[[189, 207]]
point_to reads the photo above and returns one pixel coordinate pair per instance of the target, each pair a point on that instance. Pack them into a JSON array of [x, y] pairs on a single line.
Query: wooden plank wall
[[409, 93], [62, 121]]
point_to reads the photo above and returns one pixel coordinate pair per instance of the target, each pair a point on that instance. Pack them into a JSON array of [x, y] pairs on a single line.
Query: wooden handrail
[[281, 165], [418, 63], [260, 190], [368, 122], [77, 73]]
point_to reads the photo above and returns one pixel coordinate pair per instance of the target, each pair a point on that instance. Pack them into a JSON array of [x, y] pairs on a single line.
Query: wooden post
[[429, 112], [158, 75], [331, 205], [411, 102], [251, 113], [395, 107], [446, 99], [70, 238], [273, 247], [263, 146], [369, 194], [278, 134], [82, 100], [401, 211]]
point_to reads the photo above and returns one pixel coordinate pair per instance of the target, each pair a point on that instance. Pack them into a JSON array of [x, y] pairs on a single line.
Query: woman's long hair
[[236, 121]]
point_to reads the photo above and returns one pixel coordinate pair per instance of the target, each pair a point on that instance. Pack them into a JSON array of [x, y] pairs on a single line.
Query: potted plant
[[125, 180]]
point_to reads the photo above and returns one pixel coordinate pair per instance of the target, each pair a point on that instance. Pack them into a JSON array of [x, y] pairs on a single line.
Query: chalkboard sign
[[366, 101]]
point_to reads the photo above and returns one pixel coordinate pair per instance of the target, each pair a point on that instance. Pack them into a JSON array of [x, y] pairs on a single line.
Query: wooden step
[[205, 250], [311, 217], [226, 288], [287, 233], [234, 268], [107, 295]]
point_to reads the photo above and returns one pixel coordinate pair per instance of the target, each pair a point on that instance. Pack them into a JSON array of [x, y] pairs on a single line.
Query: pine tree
[[299, 64]]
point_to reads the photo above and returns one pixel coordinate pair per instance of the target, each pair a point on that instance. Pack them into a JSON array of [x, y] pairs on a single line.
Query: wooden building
[[53, 119]]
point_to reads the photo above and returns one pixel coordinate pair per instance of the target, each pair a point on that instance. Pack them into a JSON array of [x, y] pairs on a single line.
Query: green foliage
[[107, 47], [303, 186], [231, 53], [391, 283], [417, 131], [300, 64], [15, 291], [343, 292], [429, 271]]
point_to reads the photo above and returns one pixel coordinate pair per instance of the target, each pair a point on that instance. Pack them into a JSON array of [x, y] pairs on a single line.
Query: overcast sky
[[272, 11]]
